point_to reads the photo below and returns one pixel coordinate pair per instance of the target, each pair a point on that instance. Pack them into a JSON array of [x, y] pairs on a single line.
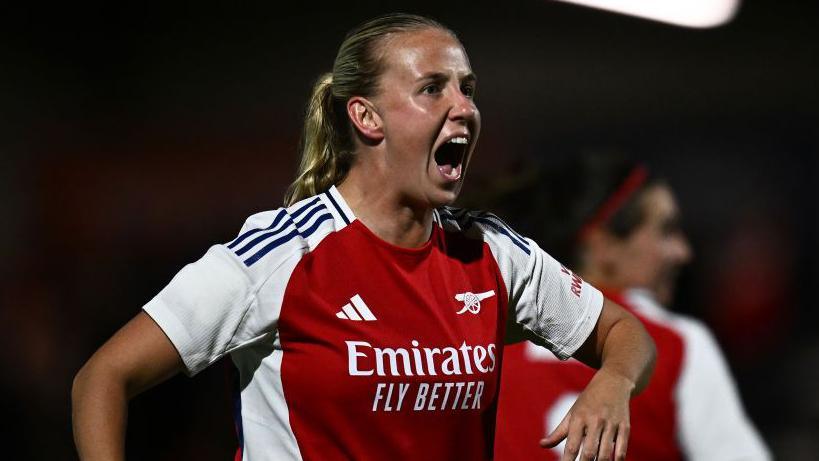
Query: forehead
[[659, 202], [413, 54]]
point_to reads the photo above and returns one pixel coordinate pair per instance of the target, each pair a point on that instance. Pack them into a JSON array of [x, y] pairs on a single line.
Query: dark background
[[133, 137]]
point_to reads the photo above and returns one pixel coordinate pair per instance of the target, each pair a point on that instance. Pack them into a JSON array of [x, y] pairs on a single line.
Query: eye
[[671, 227], [468, 89], [432, 88]]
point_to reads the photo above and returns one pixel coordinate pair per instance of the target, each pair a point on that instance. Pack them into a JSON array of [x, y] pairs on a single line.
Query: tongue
[[451, 173]]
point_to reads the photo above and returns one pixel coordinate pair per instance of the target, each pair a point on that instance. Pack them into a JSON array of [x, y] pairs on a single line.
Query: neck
[[606, 282], [385, 212], [600, 279]]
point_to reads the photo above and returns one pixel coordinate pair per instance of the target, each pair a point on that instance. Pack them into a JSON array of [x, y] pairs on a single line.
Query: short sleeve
[[551, 304], [202, 307], [548, 303], [220, 303]]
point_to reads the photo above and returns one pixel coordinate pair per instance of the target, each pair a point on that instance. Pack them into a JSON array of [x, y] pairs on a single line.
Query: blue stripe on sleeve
[[500, 222], [310, 215], [465, 220], [290, 236], [270, 246], [287, 223], [247, 234], [503, 231], [301, 210], [309, 231]]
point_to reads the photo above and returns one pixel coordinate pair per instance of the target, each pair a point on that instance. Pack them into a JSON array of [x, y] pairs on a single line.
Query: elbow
[[84, 383], [95, 378], [78, 385], [81, 392]]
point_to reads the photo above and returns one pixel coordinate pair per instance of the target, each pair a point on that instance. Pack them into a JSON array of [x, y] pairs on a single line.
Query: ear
[[365, 119], [602, 247]]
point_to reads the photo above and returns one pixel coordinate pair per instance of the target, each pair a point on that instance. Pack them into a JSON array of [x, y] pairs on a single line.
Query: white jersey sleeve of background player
[[548, 304], [214, 305], [712, 422]]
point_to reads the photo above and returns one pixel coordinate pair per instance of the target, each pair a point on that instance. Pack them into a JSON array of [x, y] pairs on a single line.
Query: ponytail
[[323, 163]]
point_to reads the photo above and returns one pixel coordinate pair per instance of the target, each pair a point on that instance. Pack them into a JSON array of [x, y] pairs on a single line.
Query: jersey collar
[[338, 207]]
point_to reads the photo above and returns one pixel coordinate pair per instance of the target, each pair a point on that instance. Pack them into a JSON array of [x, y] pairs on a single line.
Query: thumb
[[557, 435]]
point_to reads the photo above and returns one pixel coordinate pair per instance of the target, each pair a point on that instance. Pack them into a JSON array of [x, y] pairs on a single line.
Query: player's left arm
[[597, 425]]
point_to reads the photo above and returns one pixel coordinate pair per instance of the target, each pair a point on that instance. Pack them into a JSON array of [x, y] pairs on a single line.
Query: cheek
[[644, 262], [409, 128]]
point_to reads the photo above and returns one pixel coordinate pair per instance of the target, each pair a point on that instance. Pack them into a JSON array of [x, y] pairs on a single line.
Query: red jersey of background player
[[690, 409]]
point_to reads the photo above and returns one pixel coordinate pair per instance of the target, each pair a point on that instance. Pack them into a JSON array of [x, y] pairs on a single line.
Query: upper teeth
[[459, 140]]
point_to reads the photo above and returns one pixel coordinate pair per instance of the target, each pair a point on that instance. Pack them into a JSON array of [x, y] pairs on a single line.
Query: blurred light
[[687, 13]]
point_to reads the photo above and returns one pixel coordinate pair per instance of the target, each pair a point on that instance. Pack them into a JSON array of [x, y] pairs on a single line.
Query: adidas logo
[[356, 311]]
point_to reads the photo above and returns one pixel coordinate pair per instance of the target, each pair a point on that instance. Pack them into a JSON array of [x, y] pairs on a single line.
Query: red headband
[[615, 201]]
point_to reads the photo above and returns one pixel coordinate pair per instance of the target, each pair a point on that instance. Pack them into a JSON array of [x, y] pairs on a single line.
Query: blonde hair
[[327, 142]]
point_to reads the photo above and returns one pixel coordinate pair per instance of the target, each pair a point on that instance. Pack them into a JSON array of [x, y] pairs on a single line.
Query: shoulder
[[700, 342], [696, 336], [484, 226], [269, 236]]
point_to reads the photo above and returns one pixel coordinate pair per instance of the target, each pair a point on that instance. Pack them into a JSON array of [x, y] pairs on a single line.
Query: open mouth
[[450, 157]]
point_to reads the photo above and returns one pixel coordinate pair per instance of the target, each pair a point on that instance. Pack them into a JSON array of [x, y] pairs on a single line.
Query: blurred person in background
[[366, 317], [619, 227]]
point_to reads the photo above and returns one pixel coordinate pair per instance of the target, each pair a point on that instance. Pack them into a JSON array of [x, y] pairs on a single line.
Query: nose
[[681, 249], [463, 107]]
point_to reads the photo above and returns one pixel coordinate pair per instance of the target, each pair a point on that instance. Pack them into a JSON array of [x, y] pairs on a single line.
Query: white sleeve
[[712, 422], [548, 303], [212, 306]]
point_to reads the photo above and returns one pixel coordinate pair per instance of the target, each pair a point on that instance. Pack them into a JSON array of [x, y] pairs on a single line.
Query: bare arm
[[136, 358], [599, 421]]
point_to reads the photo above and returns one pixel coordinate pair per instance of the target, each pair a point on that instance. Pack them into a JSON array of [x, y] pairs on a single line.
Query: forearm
[[628, 352], [99, 413], [624, 353], [136, 358]]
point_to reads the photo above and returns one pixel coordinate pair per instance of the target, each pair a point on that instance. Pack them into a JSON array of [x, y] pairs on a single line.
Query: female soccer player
[[367, 319], [620, 227]]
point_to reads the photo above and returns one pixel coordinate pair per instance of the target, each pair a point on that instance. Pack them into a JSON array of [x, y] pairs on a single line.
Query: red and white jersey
[[690, 409], [349, 347]]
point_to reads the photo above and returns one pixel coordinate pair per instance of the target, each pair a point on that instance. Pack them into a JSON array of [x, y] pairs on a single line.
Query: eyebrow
[[438, 76]]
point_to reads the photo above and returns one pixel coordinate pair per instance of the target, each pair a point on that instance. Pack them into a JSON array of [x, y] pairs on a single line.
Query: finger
[[607, 443], [621, 444], [557, 435], [591, 441], [573, 440]]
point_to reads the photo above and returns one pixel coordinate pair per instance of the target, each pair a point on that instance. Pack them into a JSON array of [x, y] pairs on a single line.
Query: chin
[[445, 197], [438, 201], [664, 295]]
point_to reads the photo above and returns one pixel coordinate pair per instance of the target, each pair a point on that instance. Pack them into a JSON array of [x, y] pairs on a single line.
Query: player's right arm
[[136, 358], [210, 309]]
